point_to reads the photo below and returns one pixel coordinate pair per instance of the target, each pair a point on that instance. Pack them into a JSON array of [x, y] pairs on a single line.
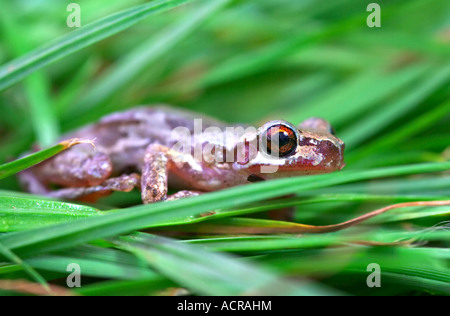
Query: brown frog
[[153, 147]]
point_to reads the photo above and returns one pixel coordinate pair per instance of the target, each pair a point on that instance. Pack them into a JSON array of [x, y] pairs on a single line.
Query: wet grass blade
[[17, 213]]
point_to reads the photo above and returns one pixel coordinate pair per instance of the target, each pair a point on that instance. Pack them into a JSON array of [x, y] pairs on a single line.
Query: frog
[[157, 147]]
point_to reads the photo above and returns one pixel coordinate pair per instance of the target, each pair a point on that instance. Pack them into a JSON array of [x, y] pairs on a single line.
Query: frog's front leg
[[81, 171], [124, 183], [158, 160]]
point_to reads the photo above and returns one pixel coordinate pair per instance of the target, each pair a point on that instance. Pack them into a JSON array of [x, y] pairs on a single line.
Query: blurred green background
[[385, 90]]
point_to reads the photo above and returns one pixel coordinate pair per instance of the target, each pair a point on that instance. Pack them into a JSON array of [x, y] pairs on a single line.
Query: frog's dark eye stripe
[[280, 140]]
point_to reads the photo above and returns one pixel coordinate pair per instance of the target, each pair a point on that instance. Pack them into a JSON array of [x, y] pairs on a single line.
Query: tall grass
[[385, 90]]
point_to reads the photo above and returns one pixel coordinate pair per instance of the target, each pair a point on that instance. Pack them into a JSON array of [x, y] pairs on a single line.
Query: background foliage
[[385, 90]]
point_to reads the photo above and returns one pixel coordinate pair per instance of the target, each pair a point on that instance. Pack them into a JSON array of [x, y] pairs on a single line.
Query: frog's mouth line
[[254, 178]]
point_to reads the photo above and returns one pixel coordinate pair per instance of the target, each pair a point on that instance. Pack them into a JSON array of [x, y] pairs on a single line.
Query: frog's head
[[286, 150]]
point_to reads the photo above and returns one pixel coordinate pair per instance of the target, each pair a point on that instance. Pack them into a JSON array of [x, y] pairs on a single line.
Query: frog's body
[[165, 146]]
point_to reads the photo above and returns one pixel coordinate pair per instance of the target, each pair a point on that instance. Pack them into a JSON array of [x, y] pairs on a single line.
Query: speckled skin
[[137, 148]]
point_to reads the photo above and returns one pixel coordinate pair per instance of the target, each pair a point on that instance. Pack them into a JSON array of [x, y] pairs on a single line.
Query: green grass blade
[[20, 164], [142, 56], [18, 213], [417, 268], [397, 136], [255, 244], [37, 86], [365, 91], [367, 127], [25, 266], [60, 236], [141, 287], [219, 275], [44, 120], [92, 267], [92, 33], [385, 91], [246, 64]]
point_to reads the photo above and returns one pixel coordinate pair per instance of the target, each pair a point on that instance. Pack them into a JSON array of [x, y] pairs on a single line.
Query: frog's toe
[[98, 168]]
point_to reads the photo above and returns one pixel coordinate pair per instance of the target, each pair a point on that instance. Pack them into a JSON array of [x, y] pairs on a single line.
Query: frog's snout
[[329, 155]]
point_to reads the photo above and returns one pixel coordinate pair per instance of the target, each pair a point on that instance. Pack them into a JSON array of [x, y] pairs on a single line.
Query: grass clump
[[385, 91]]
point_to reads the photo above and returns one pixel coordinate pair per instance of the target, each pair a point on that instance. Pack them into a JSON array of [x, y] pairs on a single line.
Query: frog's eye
[[281, 140]]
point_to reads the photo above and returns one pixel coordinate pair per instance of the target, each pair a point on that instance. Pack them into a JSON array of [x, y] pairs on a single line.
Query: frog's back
[[124, 136]]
